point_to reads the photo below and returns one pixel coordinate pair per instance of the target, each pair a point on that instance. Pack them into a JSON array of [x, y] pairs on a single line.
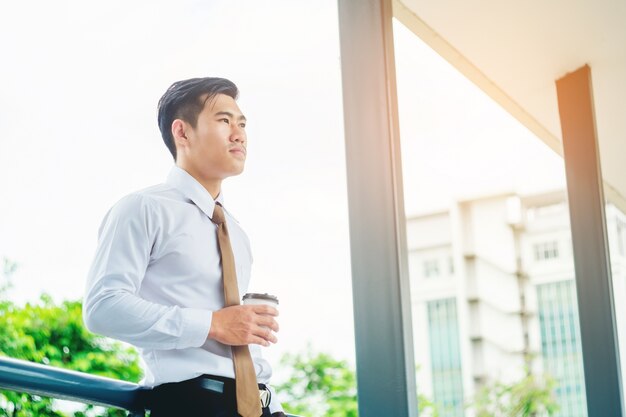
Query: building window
[[431, 268], [546, 250], [560, 346], [445, 357]]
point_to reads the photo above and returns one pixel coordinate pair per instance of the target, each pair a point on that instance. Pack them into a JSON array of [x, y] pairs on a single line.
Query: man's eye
[[242, 125], [225, 120]]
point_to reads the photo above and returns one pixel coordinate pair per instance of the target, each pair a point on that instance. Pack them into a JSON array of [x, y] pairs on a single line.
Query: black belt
[[226, 386]]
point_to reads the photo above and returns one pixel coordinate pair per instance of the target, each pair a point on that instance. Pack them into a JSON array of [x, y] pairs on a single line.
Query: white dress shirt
[[156, 279]]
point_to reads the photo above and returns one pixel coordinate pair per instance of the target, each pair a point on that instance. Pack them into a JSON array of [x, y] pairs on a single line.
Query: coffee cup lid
[[266, 296]]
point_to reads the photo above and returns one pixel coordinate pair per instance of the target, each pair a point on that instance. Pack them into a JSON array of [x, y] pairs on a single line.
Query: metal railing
[[49, 381]]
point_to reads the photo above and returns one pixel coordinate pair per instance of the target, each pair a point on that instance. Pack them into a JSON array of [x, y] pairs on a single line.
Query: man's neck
[[213, 186]]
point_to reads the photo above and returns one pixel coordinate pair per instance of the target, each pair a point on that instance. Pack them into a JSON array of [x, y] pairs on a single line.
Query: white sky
[[79, 83]]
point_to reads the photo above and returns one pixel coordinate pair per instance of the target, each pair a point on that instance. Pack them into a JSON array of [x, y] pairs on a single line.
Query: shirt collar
[[193, 190]]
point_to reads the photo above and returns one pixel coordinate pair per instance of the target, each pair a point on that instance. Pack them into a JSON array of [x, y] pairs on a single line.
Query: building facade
[[494, 298]]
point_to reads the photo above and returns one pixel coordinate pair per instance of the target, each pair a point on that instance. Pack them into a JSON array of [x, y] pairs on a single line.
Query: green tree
[[426, 407], [532, 396], [320, 385], [54, 334]]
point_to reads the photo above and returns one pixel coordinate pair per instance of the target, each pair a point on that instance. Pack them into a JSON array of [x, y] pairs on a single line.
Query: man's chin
[[235, 171]]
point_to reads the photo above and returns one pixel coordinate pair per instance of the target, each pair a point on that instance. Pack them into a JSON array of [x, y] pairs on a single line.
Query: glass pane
[[490, 256], [560, 344], [616, 232], [80, 84], [445, 355]]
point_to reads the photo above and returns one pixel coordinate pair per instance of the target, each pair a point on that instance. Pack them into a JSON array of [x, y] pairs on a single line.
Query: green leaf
[[54, 334]]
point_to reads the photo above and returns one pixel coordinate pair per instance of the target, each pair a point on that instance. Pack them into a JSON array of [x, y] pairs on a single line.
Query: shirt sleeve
[[112, 306]]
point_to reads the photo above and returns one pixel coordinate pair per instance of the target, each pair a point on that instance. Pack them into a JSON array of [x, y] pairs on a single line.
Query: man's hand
[[244, 325]]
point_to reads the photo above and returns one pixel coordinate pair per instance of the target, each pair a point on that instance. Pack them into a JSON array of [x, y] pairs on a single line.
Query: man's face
[[217, 145]]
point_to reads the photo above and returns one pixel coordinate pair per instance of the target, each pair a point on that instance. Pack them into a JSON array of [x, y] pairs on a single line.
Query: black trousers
[[197, 398]]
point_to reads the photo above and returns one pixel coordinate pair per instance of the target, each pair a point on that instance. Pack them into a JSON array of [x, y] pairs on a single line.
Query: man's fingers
[[266, 334], [264, 309], [259, 341], [271, 337], [245, 324], [268, 321]]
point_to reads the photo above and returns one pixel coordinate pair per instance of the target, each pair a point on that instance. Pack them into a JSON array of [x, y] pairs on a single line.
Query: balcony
[[48, 381]]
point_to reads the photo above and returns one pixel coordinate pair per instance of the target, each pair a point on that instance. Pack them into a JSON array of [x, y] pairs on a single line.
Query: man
[[171, 263]]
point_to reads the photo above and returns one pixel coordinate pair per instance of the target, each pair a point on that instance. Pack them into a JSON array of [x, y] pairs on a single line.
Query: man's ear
[[179, 133]]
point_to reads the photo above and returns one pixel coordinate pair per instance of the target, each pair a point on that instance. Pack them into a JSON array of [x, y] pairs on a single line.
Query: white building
[[494, 297]]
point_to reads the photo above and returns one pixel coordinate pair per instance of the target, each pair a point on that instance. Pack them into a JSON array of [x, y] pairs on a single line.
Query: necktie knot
[[218, 214]]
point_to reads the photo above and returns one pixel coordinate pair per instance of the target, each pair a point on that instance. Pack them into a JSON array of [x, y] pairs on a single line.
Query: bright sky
[[79, 85]]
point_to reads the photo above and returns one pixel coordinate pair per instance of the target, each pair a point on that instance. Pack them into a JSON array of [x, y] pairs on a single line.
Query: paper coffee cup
[[257, 299]]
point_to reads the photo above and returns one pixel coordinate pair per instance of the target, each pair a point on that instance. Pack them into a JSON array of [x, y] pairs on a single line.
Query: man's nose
[[238, 135]]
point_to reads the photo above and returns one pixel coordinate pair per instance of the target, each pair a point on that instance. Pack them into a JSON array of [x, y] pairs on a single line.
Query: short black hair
[[185, 100]]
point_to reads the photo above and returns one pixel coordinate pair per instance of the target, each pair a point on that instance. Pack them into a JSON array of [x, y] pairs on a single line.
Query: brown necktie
[[247, 390]]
